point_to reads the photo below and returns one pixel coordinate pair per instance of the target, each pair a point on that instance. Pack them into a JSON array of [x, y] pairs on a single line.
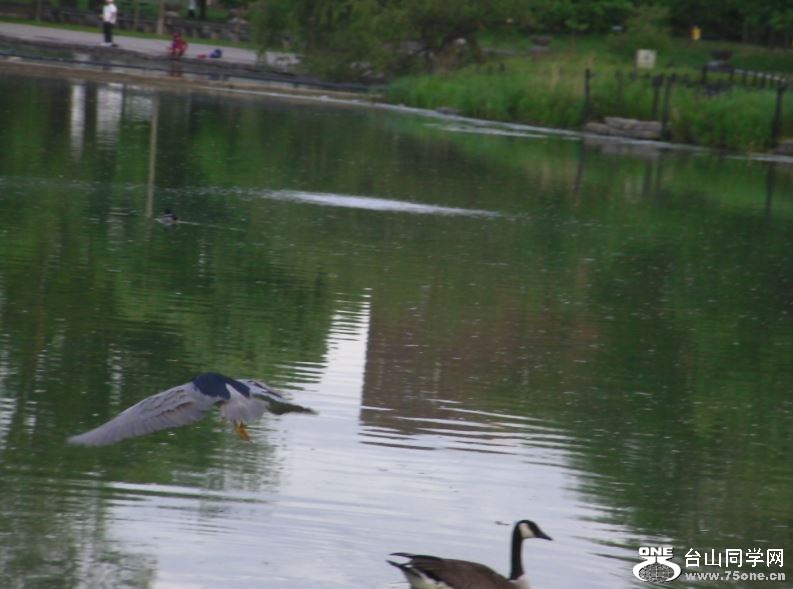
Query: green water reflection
[[638, 301]]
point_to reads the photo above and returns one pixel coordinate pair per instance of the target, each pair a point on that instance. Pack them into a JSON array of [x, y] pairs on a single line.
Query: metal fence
[[711, 82]]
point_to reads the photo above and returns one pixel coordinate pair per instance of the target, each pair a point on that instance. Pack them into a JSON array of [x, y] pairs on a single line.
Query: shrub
[[646, 28]]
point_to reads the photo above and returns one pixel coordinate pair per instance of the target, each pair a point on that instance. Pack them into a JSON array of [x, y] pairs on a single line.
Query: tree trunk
[[161, 18]]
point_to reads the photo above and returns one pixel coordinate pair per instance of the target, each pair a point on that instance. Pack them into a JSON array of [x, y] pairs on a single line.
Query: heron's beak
[[242, 431]]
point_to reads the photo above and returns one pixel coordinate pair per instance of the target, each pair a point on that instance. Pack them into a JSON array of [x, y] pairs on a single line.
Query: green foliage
[[272, 21], [550, 93], [548, 96], [646, 28], [782, 20], [737, 119], [379, 32], [338, 38], [575, 16], [759, 21], [354, 31], [320, 25], [616, 95], [438, 23]]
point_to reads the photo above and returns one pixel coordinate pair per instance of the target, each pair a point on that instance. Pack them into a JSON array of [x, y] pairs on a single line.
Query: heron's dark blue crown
[[213, 384]]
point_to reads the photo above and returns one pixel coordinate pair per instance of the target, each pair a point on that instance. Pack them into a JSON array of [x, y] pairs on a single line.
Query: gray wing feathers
[[175, 407]]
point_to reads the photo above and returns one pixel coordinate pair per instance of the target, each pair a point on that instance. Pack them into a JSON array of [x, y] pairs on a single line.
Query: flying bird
[[240, 401], [432, 572]]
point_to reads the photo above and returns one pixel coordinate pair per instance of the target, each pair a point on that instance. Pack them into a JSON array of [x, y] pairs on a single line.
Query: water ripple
[[373, 204]]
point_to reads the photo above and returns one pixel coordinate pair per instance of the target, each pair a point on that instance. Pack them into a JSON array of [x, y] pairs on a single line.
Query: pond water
[[493, 323]]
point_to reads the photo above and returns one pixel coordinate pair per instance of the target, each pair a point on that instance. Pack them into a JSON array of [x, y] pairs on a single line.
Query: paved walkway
[[150, 47], [274, 70]]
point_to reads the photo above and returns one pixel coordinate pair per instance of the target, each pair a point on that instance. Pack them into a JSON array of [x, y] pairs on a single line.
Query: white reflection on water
[[77, 119], [6, 413], [374, 204], [452, 128], [110, 101], [338, 494]]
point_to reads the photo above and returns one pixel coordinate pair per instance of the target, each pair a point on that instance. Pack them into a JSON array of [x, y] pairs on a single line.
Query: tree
[[781, 21], [759, 21], [377, 30], [647, 27], [439, 24]]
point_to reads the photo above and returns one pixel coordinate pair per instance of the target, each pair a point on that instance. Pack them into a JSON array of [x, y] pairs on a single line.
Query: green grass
[[547, 89], [738, 119]]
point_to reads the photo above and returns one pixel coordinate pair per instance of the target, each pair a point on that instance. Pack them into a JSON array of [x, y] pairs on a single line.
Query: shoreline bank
[[151, 51]]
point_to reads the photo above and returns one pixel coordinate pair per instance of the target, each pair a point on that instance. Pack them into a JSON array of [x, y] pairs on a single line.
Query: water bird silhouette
[[240, 402], [431, 572], [168, 217]]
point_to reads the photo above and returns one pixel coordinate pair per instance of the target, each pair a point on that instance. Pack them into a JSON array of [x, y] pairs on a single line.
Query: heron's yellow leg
[[242, 431]]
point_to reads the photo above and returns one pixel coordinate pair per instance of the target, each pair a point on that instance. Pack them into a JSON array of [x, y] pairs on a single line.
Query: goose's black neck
[[516, 570]]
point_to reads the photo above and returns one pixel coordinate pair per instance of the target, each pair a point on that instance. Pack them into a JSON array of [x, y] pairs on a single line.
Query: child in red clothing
[[178, 45]]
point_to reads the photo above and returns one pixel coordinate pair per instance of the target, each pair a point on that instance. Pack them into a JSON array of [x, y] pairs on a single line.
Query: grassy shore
[[548, 89]]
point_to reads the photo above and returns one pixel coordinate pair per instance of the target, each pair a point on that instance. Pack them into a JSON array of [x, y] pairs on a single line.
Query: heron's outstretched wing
[[275, 401], [181, 405]]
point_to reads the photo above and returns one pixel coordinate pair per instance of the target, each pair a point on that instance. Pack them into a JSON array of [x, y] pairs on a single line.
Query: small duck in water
[[168, 217]]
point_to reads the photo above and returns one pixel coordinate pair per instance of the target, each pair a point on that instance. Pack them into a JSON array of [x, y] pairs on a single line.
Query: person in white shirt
[[109, 14]]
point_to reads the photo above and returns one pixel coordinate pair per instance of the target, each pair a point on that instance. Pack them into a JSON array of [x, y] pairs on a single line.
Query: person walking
[[109, 16]]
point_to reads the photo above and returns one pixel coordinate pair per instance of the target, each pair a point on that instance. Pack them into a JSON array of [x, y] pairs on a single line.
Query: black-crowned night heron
[[240, 401], [431, 572]]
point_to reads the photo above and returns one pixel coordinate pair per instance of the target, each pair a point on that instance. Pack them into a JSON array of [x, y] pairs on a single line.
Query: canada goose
[[240, 401], [431, 572]]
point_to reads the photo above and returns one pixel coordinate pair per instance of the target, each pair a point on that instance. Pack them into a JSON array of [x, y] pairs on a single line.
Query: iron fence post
[[776, 124], [665, 112], [587, 95]]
